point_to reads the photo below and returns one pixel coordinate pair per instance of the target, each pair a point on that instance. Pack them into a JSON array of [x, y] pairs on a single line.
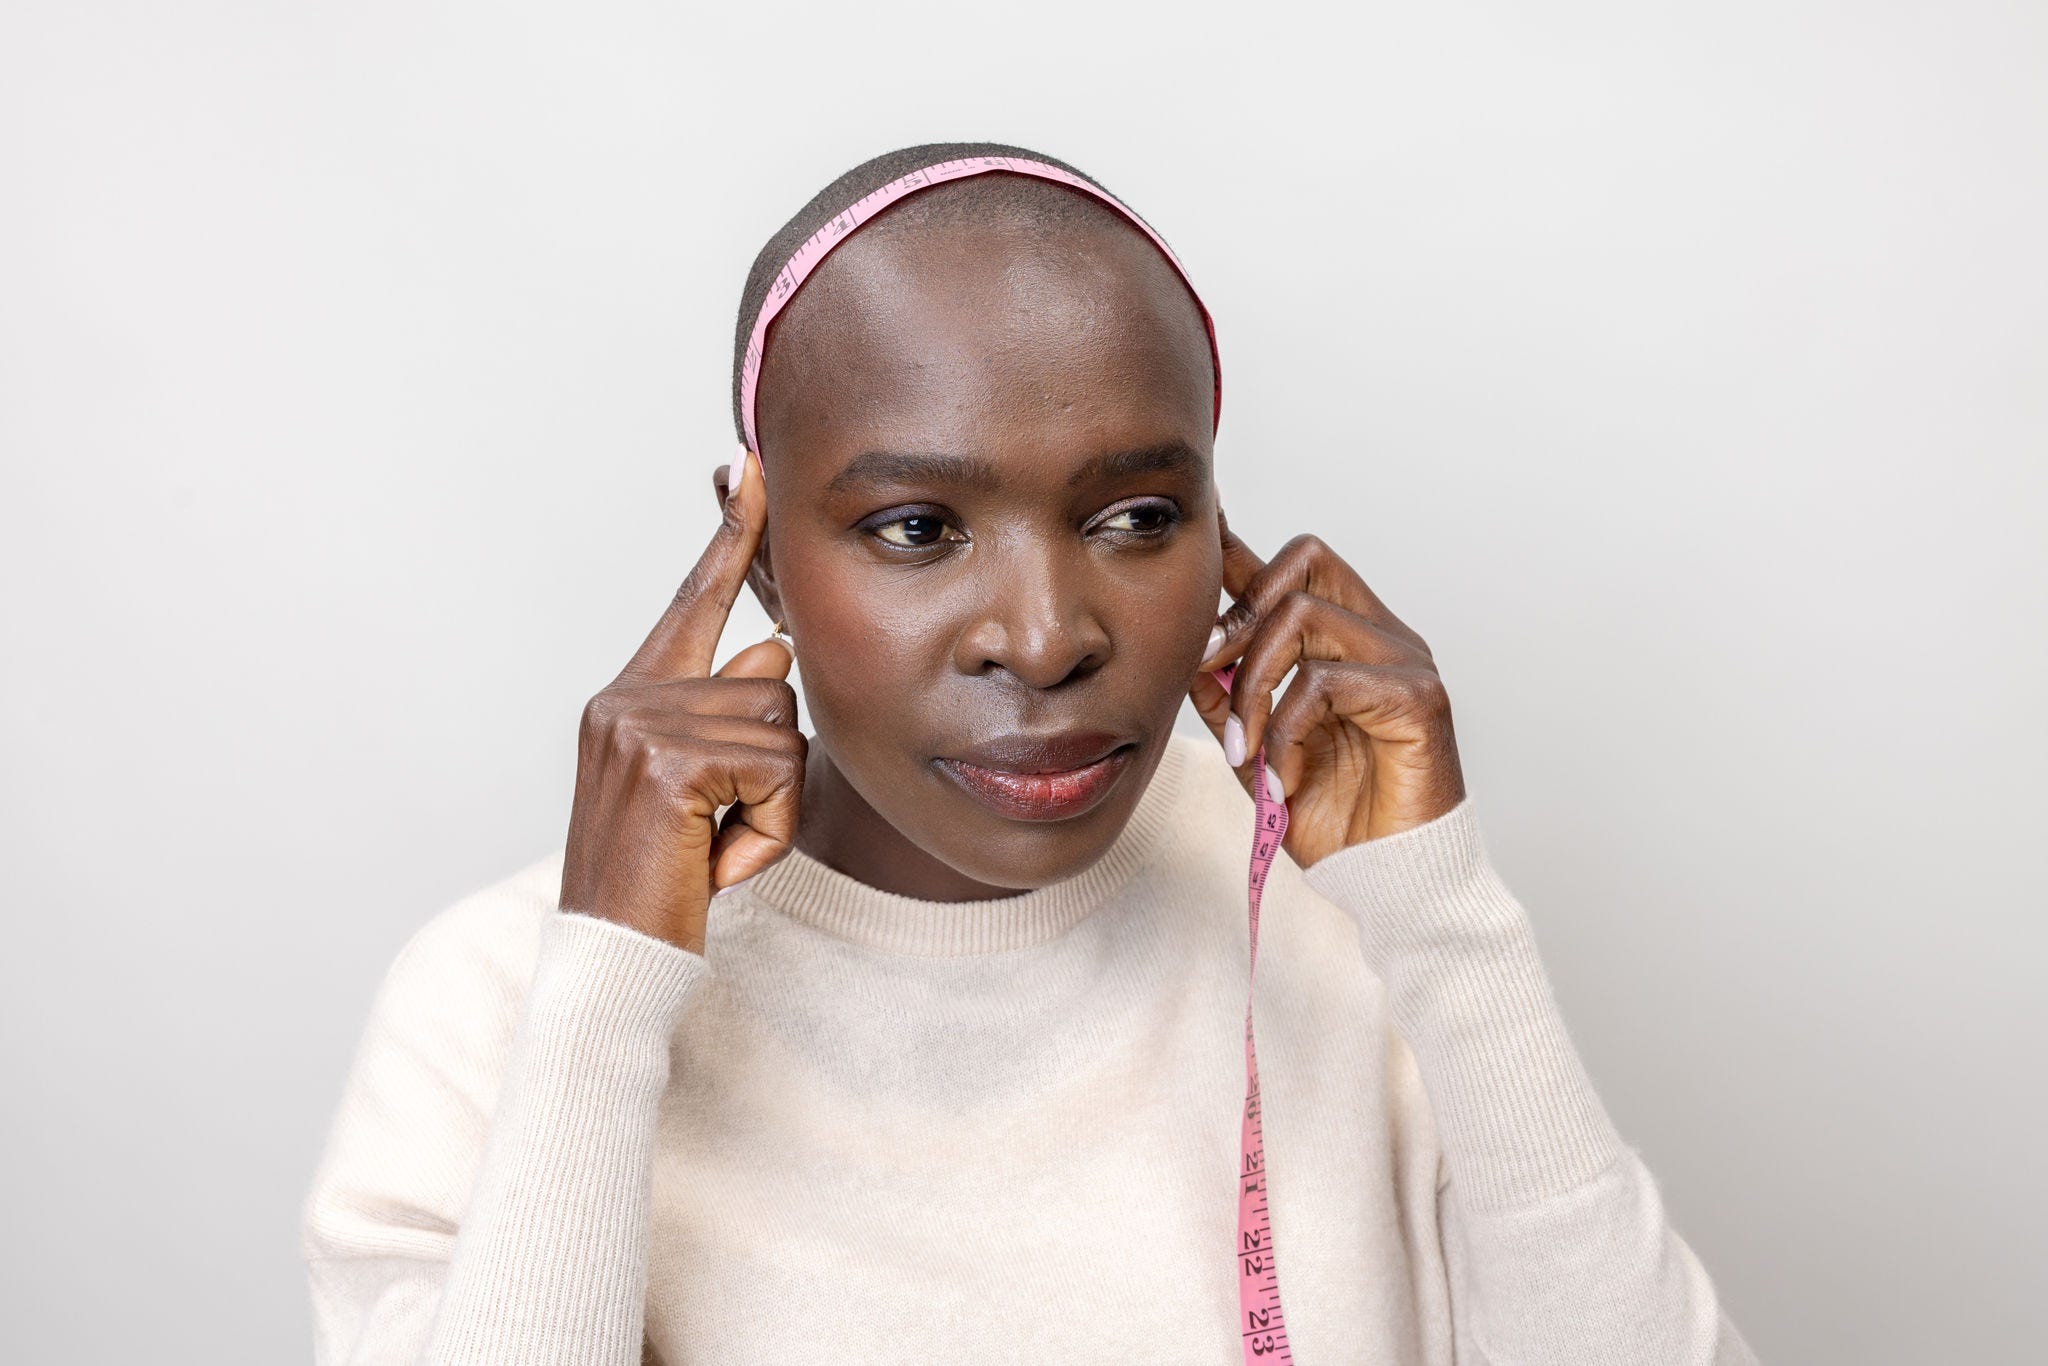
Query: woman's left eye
[[914, 532], [1143, 519]]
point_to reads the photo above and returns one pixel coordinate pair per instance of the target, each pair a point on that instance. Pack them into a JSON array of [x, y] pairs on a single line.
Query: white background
[[1677, 371]]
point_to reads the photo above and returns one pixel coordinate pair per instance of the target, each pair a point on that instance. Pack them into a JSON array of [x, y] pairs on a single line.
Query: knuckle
[[732, 518], [796, 747], [764, 699], [598, 715], [1306, 546], [1255, 675], [691, 590], [1298, 605], [607, 717], [676, 773], [777, 701], [647, 753], [707, 577], [1428, 690]]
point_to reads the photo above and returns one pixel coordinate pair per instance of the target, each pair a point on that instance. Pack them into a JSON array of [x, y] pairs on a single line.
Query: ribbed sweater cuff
[[610, 978], [1517, 1114], [551, 1264]]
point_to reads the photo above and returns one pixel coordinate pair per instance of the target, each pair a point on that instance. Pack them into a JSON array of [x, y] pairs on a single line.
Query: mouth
[[1042, 778]]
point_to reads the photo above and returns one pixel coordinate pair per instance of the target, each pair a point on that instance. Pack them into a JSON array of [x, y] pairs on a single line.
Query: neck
[[839, 829]]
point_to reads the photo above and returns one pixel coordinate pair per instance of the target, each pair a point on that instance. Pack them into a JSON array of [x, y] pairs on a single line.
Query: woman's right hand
[[668, 742]]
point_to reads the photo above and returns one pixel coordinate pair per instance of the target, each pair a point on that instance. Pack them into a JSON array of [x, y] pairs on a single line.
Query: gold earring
[[776, 632]]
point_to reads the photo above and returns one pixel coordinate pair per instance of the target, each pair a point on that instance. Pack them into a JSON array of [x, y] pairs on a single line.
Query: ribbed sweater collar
[[804, 889]]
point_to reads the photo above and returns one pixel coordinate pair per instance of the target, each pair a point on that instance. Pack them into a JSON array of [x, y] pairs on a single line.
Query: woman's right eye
[[912, 533]]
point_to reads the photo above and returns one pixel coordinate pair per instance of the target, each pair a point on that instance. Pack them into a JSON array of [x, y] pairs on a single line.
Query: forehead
[[989, 334]]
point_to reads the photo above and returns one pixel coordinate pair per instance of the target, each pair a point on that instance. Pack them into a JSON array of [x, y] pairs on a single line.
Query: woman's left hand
[[1362, 738]]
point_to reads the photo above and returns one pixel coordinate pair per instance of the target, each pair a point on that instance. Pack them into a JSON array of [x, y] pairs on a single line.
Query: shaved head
[[1043, 270], [1023, 201]]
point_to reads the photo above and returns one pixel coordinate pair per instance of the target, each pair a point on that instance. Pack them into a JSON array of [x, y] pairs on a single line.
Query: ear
[[761, 573]]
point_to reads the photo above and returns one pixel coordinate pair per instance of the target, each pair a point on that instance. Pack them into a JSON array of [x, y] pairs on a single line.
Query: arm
[[483, 1195], [436, 1238], [1555, 1235]]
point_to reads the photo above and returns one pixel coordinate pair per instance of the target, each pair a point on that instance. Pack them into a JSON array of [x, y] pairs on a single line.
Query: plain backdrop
[[1676, 371]]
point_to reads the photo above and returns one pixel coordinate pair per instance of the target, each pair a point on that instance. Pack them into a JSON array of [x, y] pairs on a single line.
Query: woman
[[929, 1048]]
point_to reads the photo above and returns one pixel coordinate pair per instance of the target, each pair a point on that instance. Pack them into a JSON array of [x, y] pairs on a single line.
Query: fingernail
[[1273, 787], [1233, 741], [1215, 642], [745, 472]]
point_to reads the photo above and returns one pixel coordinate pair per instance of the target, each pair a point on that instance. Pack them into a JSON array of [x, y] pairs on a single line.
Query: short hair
[[973, 198]]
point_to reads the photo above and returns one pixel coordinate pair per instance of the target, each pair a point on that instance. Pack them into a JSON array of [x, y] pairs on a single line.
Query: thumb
[[768, 658]]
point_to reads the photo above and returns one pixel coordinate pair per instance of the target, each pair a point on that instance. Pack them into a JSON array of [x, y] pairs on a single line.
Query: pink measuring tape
[[1262, 1330], [1258, 1275], [819, 244]]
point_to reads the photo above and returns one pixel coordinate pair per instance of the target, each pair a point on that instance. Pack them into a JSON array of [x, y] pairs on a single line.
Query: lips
[[1043, 777]]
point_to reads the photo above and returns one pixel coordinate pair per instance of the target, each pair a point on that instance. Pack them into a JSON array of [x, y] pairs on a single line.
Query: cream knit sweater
[[865, 1128]]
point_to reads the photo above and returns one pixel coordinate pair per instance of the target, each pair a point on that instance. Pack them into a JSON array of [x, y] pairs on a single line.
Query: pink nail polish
[[1233, 742], [1273, 787]]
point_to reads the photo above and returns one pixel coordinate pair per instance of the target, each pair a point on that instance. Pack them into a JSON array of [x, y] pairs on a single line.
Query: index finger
[[683, 641], [1241, 566], [1241, 563]]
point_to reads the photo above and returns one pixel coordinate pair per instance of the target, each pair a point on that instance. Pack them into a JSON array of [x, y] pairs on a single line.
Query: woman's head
[[986, 421]]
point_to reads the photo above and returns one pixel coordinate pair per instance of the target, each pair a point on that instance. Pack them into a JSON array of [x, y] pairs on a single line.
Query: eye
[[915, 532], [1148, 518]]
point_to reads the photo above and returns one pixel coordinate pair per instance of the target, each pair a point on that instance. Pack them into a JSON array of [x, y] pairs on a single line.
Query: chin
[[983, 841]]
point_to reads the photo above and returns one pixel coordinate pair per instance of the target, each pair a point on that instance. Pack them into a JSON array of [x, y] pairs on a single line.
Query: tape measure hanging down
[[1260, 1322]]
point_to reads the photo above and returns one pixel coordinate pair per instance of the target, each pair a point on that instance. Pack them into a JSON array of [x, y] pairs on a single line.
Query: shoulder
[[479, 950], [416, 1106]]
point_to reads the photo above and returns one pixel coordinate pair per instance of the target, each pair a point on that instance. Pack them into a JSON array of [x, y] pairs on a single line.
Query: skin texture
[[1052, 359], [1038, 396]]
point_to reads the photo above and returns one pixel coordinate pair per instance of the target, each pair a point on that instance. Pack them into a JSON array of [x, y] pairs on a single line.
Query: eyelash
[[1168, 511]]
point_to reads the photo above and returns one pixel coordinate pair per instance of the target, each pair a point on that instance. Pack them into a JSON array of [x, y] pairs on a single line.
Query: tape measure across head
[[840, 226], [1262, 1329]]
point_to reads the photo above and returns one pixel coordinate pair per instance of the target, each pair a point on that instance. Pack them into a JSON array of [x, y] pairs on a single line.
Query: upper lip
[[1055, 752]]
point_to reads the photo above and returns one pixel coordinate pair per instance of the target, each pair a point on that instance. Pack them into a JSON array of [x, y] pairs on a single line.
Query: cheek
[[866, 649], [1182, 601]]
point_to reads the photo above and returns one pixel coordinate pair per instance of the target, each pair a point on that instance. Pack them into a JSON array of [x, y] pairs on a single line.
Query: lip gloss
[[1040, 796]]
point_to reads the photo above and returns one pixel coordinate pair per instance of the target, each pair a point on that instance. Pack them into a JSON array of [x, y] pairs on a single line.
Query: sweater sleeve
[[483, 1196], [1555, 1237]]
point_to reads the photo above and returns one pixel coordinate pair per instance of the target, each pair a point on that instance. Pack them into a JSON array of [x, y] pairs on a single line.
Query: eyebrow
[[878, 469]]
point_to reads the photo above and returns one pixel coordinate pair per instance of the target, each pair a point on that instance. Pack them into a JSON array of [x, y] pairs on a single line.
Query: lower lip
[[1041, 796]]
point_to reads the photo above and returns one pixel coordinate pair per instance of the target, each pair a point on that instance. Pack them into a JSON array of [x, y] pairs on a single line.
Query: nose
[[1035, 619]]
